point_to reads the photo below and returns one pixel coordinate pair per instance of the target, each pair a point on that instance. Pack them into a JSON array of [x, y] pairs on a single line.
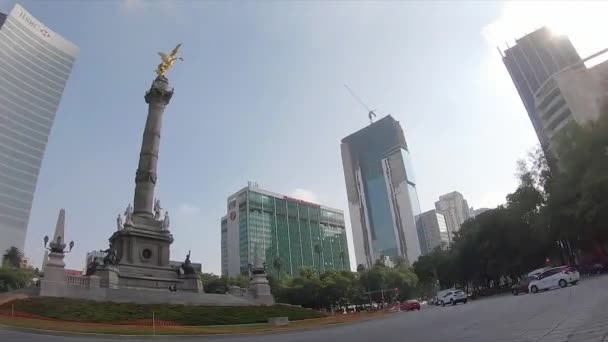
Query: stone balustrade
[[77, 280]]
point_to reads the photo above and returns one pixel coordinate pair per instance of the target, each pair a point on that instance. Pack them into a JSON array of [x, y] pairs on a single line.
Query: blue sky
[[260, 97]]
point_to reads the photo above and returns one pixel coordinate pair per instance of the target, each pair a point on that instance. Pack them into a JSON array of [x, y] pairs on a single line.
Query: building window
[[566, 113]]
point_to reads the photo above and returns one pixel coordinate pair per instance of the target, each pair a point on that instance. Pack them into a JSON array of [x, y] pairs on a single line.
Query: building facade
[[94, 255], [575, 94], [35, 64], [267, 225], [455, 209], [432, 231], [382, 196], [531, 62], [475, 212]]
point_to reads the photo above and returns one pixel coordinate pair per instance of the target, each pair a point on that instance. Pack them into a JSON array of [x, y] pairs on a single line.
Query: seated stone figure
[[187, 265]]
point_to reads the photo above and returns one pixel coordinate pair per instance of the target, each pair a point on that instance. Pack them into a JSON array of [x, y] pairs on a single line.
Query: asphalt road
[[576, 313]]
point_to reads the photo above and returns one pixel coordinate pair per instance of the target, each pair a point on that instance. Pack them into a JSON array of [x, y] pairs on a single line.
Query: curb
[[177, 337]]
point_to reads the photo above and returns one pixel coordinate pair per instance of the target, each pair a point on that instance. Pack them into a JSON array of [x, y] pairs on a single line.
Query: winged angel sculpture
[[167, 61]]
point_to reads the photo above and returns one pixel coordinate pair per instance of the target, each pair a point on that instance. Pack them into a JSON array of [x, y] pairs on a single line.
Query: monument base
[[192, 283], [142, 248], [108, 276], [260, 289], [53, 283]]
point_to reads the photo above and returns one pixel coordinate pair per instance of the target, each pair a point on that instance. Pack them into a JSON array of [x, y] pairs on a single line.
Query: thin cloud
[[188, 209], [167, 8], [132, 6], [489, 199], [305, 195]]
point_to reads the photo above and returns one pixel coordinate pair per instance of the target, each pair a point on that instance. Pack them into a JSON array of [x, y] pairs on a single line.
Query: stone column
[[157, 98]]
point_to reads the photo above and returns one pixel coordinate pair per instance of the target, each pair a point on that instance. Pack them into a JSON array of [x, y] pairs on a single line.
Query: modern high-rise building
[[531, 62], [455, 209], [475, 212], [576, 94], [35, 64], [432, 231], [382, 196], [267, 225]]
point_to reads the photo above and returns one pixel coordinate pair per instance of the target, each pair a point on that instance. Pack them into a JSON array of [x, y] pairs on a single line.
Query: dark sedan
[[522, 285]]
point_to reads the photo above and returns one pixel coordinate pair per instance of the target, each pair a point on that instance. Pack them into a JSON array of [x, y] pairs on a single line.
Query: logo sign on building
[[32, 24], [26, 18], [299, 201]]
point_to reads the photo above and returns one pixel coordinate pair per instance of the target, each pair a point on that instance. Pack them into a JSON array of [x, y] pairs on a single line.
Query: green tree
[[342, 256], [308, 273], [13, 257], [213, 283], [578, 190], [278, 265], [14, 278], [239, 280], [318, 251]]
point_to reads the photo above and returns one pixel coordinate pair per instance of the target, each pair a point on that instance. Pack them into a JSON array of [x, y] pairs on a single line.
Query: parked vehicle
[[409, 305], [437, 299], [554, 277], [538, 271], [522, 285], [454, 297]]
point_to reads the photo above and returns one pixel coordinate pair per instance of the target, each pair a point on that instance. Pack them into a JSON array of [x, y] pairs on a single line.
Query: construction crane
[[370, 113]]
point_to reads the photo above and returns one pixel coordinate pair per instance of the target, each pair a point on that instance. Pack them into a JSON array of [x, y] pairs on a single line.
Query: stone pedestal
[[55, 268], [108, 277], [53, 284], [260, 289], [94, 282], [192, 283]]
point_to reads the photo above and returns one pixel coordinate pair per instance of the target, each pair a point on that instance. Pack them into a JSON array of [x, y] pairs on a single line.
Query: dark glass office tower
[[382, 196], [35, 64]]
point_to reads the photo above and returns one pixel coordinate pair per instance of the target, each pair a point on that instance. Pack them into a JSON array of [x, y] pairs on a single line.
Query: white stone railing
[[77, 280]]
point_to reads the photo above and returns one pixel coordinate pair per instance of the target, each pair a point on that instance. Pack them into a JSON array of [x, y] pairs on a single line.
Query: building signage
[[31, 22], [299, 201], [233, 216], [26, 19]]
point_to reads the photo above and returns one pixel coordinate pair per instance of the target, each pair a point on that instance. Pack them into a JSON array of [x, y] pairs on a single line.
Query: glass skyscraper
[[382, 196], [264, 224], [35, 64]]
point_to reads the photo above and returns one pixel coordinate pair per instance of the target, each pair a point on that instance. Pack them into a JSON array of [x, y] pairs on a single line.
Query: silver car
[[454, 297]]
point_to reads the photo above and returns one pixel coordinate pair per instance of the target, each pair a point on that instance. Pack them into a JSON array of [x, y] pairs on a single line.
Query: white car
[[453, 297], [554, 277]]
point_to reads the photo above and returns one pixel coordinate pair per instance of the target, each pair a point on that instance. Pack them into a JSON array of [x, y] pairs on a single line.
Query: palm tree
[[318, 250], [13, 257], [278, 265], [342, 255]]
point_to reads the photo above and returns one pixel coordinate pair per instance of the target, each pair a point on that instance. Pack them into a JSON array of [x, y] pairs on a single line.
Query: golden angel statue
[[167, 61]]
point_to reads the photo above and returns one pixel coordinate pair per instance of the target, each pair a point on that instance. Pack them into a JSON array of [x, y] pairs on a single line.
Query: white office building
[[35, 64], [432, 231], [455, 209]]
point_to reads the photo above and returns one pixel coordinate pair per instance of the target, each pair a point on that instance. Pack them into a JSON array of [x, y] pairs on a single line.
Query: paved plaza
[[577, 313]]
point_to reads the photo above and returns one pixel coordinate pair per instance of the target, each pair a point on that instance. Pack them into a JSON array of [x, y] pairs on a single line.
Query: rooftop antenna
[[370, 113]]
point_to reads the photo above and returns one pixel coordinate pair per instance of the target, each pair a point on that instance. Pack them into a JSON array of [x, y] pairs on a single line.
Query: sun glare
[[583, 22]]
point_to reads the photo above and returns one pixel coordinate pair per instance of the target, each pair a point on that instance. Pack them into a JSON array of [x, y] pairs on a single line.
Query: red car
[[410, 305]]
